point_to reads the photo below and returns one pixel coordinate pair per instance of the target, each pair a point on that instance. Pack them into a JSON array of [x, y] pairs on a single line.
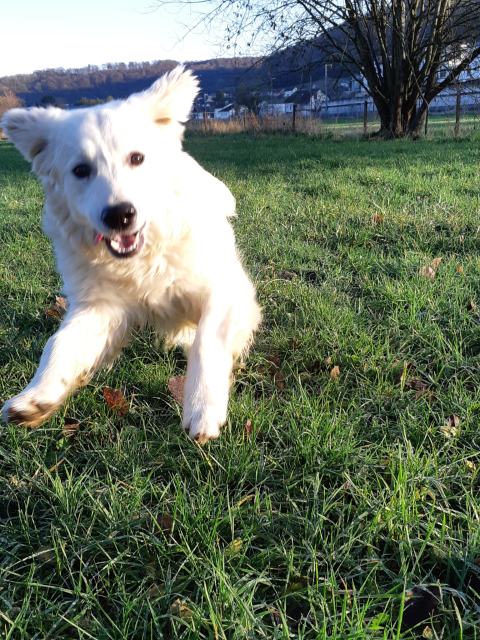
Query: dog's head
[[102, 163]]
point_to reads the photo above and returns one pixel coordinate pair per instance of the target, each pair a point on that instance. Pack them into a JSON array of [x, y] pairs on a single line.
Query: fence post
[[293, 118], [365, 116], [457, 112]]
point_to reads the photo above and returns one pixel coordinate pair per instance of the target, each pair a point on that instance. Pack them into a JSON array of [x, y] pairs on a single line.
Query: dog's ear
[[29, 130], [171, 97]]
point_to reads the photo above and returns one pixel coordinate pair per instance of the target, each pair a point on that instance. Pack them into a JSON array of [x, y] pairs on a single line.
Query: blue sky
[[40, 34]]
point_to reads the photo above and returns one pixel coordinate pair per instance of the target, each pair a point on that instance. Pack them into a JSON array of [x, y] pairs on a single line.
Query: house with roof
[[226, 112]]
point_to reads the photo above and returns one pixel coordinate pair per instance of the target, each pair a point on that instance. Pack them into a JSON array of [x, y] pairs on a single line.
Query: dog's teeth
[[115, 245]]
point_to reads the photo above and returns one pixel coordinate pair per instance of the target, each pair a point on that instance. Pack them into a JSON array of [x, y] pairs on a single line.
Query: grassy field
[[357, 477]]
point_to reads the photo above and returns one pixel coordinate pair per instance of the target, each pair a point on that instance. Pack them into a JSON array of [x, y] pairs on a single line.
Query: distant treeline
[[118, 80]]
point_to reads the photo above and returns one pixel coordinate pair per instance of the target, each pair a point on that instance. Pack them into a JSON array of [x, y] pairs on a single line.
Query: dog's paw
[[25, 409], [203, 426]]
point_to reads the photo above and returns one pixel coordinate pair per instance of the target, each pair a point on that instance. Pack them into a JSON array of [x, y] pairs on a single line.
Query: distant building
[[226, 112]]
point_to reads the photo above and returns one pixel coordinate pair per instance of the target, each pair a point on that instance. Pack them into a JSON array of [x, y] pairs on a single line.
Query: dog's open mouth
[[123, 246]]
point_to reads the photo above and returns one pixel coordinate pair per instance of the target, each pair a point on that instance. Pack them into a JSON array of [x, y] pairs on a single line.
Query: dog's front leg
[[223, 332], [208, 375], [87, 338]]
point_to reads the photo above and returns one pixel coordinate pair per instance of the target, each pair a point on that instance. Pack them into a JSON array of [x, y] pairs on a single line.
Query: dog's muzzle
[[121, 218]]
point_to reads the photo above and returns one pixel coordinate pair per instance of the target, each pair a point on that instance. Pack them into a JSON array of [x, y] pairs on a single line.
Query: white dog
[[140, 234]]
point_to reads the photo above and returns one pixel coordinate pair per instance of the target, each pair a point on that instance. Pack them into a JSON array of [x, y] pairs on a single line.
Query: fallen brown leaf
[[61, 303], [334, 373], [471, 306], [156, 591], [416, 385], [287, 275], [53, 312], [176, 387], [453, 421], [276, 616], [377, 218], [163, 524], [180, 610], [70, 425], [279, 379], [234, 547], [315, 366], [297, 585], [59, 308], [471, 465], [116, 401], [248, 428], [459, 269], [427, 272], [293, 344], [274, 360], [421, 605], [435, 263]]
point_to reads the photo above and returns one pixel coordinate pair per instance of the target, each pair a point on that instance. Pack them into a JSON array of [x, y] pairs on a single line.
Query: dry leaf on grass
[[471, 306], [287, 275], [176, 386], [435, 263], [61, 303], [415, 384], [163, 524], [334, 373], [315, 366], [297, 585], [459, 269], [470, 465], [377, 218], [234, 547], [427, 272], [180, 610], [116, 401], [156, 591], [248, 428], [70, 426], [451, 429], [59, 308], [420, 605], [274, 360], [279, 379], [276, 616], [453, 420]]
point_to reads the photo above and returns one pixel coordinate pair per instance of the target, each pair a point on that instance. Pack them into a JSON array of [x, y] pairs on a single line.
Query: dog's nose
[[119, 217]]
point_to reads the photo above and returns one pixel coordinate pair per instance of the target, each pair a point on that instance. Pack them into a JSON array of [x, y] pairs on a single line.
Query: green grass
[[348, 492]]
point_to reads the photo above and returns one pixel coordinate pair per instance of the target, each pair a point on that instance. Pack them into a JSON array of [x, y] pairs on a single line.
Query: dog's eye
[[82, 171], [136, 159]]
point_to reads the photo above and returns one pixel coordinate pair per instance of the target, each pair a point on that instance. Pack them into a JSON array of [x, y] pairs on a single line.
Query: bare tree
[[397, 49], [8, 100]]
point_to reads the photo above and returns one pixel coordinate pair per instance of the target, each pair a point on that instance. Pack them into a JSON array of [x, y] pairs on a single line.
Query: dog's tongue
[[126, 242]]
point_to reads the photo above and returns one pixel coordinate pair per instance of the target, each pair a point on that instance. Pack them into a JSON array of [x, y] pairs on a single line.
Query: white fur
[[187, 279]]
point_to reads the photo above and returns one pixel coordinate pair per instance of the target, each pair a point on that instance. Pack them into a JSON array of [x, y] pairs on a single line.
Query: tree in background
[[8, 100], [47, 101], [397, 49], [249, 97]]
